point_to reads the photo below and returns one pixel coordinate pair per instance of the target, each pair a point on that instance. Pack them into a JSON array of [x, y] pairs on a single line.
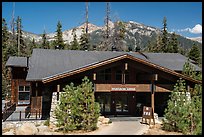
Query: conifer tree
[[84, 41], [77, 109], [20, 41], [59, 39], [174, 43], [164, 36], [74, 45], [6, 52], [194, 53], [184, 113], [45, 43]]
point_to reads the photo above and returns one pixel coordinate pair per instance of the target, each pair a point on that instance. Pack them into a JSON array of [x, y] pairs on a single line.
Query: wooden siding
[[14, 88]]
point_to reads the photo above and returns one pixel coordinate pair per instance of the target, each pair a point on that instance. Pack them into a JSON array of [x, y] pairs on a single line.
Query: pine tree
[[45, 43], [5, 55], [119, 36], [194, 54], [183, 113], [74, 45], [59, 39], [84, 41], [164, 36], [20, 42], [77, 109], [174, 43]]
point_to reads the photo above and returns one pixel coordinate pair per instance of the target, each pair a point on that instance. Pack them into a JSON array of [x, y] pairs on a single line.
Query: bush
[[77, 109], [183, 114]]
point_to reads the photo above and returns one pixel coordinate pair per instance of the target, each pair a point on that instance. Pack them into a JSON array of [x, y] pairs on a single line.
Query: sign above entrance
[[122, 89]]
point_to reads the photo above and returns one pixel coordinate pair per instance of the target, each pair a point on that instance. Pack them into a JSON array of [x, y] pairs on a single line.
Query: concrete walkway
[[122, 126]]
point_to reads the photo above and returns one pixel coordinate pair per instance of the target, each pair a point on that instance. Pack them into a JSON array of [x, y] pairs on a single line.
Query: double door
[[123, 103]]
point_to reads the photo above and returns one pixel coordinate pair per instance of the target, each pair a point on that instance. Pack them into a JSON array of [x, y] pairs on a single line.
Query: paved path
[[122, 126]]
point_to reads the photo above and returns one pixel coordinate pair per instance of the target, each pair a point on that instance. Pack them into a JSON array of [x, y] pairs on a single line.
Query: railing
[[8, 111], [23, 115]]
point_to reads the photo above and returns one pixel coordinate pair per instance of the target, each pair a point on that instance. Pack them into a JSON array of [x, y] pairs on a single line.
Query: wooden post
[[152, 96], [20, 115], [36, 89]]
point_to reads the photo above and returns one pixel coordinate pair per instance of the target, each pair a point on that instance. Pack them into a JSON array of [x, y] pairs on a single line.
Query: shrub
[[77, 109]]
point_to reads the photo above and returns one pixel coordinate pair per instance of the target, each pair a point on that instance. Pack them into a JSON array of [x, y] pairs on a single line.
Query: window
[[118, 75], [24, 95], [104, 75], [104, 99]]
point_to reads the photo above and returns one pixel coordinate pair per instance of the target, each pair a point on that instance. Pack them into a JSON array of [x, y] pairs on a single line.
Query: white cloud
[[195, 30]]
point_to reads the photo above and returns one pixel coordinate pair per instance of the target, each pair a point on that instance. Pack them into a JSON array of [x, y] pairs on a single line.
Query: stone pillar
[[55, 101], [53, 120]]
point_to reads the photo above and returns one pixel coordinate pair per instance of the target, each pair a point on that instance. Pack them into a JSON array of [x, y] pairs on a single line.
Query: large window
[[24, 95], [104, 75], [104, 99]]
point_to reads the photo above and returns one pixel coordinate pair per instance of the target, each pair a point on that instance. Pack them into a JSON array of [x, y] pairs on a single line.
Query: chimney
[[137, 49], [114, 48], [57, 47]]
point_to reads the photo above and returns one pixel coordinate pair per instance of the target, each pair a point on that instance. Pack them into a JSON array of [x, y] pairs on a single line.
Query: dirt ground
[[156, 130]]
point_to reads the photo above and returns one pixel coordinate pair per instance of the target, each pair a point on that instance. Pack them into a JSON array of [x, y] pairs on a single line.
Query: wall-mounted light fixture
[[126, 66], [94, 76]]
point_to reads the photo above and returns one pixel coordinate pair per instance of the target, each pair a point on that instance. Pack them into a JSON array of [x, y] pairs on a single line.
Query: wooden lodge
[[123, 81]]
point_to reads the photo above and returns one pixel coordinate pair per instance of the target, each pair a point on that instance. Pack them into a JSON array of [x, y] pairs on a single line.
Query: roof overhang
[[105, 62]]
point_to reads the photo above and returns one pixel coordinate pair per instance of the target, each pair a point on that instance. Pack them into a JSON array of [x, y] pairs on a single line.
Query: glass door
[[121, 102]]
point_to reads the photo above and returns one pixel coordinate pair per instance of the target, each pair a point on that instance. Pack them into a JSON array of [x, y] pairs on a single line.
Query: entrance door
[[123, 103]]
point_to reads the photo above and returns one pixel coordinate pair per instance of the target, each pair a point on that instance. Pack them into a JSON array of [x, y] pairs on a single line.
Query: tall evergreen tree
[[6, 52], [84, 41], [74, 45], [119, 36], [164, 36], [45, 44], [59, 39], [20, 41], [5, 34], [194, 53], [174, 44]]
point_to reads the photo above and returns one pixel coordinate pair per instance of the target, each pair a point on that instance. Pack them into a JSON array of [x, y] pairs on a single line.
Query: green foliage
[[194, 54], [177, 113], [183, 114], [74, 45], [45, 43], [173, 44], [189, 70], [59, 40], [47, 122], [164, 47], [77, 109], [84, 41], [22, 48]]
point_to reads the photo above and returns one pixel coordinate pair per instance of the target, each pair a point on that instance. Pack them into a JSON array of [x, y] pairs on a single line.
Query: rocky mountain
[[198, 39], [135, 34]]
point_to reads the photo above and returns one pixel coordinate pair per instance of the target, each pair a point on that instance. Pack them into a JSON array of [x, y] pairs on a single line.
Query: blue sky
[[184, 18]]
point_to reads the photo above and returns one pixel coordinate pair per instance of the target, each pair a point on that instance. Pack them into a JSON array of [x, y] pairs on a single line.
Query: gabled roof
[[47, 65], [17, 62]]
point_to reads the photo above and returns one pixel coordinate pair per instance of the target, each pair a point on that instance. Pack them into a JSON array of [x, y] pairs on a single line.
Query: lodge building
[[123, 81]]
